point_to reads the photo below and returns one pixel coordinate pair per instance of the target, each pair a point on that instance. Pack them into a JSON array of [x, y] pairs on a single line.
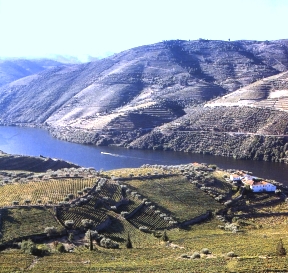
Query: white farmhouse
[[236, 177], [259, 186]]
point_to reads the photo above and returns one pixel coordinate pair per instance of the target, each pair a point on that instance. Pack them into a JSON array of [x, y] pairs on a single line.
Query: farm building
[[236, 177], [259, 186]]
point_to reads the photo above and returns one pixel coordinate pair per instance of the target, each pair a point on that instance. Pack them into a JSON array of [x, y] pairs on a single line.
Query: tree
[[90, 241], [29, 247], [71, 237], [129, 243], [50, 231], [280, 250], [164, 236]]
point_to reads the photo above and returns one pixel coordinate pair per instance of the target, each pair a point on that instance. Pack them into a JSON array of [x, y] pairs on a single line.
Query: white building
[[236, 177], [260, 186]]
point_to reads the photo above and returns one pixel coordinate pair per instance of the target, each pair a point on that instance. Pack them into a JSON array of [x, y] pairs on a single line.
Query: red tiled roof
[[257, 183]]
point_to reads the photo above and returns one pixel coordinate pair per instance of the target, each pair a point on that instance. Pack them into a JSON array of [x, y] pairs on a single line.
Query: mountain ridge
[[116, 100]]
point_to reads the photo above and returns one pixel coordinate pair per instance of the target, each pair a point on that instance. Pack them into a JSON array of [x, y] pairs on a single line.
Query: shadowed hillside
[[30, 163]]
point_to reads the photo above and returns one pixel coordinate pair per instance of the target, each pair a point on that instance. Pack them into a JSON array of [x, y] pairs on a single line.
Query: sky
[[81, 28]]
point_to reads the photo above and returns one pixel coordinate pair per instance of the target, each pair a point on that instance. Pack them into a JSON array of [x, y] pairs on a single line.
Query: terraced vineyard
[[176, 196], [132, 205], [94, 206], [9, 264], [149, 218], [111, 192], [81, 212], [54, 190], [19, 222], [119, 229]]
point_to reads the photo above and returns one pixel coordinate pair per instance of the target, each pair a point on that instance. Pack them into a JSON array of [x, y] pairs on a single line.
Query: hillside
[[211, 224], [121, 99], [31, 163], [14, 69], [249, 123]]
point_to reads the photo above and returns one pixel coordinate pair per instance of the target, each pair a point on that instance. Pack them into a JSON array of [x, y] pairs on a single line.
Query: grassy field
[[148, 255], [18, 222], [176, 196]]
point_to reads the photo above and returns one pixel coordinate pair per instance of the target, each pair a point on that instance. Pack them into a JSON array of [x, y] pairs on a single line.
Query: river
[[35, 142]]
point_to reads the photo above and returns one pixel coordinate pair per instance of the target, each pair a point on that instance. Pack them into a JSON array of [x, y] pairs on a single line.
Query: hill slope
[[118, 99], [14, 69], [31, 163], [249, 123]]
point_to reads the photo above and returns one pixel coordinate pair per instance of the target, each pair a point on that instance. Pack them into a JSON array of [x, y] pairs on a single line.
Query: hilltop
[[149, 96], [15, 69]]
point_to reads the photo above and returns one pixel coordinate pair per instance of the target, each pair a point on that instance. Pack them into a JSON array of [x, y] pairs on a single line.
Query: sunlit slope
[[271, 92], [170, 75]]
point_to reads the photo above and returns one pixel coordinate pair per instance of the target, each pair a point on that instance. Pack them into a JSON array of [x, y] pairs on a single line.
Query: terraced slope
[[242, 132], [124, 99], [181, 72], [271, 92]]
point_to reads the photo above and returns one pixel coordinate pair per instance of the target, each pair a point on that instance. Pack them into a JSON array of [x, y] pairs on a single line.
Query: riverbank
[[35, 142]]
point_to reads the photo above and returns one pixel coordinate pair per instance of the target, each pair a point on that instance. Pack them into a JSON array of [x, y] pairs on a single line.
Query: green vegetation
[[176, 196], [50, 191], [252, 237], [21, 222]]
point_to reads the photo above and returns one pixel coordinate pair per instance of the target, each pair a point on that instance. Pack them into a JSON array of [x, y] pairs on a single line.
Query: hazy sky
[[95, 27]]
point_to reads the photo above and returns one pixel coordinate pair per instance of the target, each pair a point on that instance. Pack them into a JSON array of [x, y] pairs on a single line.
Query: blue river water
[[35, 142]]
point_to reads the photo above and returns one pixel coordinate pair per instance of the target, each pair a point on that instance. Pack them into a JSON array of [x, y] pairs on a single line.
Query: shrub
[[70, 195], [205, 251], [27, 202], [108, 243], [15, 203], [280, 250], [195, 255], [143, 228], [128, 243], [60, 248], [184, 256], [69, 223], [50, 231], [87, 223], [231, 254], [94, 234], [29, 247], [164, 236]]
